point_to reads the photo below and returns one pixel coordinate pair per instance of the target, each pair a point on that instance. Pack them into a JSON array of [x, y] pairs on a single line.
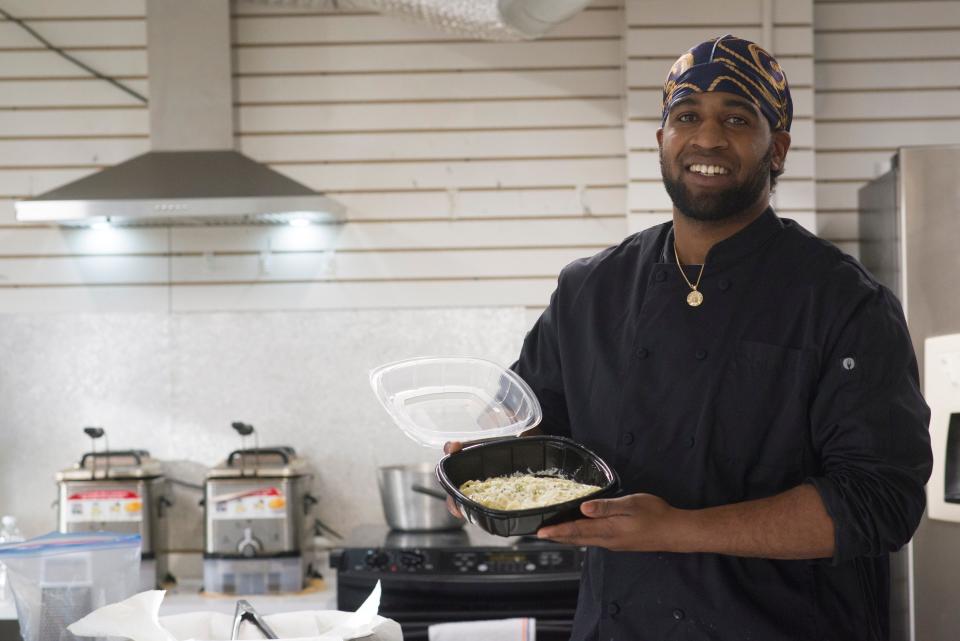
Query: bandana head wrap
[[735, 66]]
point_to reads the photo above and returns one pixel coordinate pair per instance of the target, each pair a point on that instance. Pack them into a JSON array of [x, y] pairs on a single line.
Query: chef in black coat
[[754, 387]]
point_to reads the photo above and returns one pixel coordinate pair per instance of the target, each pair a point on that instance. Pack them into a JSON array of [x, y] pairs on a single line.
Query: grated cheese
[[524, 491]]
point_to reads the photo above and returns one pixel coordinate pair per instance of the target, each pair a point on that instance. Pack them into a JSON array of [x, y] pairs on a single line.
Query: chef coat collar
[[741, 244]]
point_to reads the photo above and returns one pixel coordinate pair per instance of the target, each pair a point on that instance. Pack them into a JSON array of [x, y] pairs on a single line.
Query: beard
[[718, 205]]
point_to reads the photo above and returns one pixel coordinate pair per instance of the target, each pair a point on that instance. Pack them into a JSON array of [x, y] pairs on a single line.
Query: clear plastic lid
[[436, 399]]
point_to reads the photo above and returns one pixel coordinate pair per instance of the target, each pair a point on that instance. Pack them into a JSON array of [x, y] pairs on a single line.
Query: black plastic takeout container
[[507, 456]]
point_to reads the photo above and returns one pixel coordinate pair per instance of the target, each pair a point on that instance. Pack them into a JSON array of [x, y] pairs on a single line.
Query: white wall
[[472, 171], [886, 76], [173, 383]]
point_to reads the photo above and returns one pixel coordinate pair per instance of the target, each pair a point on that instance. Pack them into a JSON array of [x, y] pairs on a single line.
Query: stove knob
[[378, 560], [249, 545]]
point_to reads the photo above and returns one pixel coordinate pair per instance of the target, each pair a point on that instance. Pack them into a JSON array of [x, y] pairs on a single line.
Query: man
[[754, 387]]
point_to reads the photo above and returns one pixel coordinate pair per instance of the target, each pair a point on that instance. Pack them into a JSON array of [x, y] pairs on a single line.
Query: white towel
[[524, 629]]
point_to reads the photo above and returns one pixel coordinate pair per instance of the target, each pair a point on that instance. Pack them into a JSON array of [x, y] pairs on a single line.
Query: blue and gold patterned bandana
[[735, 66]]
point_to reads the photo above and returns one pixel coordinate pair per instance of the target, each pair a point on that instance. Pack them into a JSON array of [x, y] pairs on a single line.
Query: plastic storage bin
[[253, 576], [59, 578], [451, 398], [559, 456]]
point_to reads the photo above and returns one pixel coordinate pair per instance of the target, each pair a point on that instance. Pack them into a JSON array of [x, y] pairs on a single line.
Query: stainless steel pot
[[407, 507]]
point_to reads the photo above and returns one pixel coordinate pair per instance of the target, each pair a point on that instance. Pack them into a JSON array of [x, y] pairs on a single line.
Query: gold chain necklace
[[694, 298]]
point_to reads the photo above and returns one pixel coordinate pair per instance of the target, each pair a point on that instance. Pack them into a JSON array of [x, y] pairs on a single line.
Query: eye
[[686, 117], [737, 120]]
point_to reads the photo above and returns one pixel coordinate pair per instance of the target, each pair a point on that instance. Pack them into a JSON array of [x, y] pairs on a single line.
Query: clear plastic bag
[[59, 578]]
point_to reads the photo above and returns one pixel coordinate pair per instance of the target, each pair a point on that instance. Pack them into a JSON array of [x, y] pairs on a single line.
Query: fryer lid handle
[[283, 452], [137, 455]]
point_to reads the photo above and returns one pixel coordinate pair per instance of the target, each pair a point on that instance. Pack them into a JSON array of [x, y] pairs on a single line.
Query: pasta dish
[[524, 491]]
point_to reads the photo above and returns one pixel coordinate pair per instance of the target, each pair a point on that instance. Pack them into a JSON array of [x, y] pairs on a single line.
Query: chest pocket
[[762, 405]]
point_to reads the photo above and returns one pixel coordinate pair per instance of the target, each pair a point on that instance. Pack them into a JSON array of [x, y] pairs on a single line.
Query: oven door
[[420, 600]]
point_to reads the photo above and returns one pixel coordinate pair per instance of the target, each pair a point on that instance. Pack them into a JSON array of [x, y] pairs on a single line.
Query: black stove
[[460, 575]]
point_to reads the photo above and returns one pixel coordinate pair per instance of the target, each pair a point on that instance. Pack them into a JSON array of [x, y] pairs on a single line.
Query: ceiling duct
[[482, 19]]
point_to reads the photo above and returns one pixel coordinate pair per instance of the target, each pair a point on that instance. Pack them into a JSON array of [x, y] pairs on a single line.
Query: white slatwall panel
[[472, 171], [488, 164], [886, 76], [659, 31], [41, 64], [86, 9]]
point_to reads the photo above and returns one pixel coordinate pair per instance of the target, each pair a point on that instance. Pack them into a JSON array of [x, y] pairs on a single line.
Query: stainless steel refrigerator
[[910, 240]]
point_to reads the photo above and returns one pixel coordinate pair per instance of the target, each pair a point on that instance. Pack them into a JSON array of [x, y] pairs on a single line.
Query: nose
[[709, 135]]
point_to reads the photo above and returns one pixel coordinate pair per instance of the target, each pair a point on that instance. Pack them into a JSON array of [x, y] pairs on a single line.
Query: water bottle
[[9, 533]]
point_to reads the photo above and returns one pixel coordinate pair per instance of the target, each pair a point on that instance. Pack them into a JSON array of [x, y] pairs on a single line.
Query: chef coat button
[[613, 609], [628, 438], [723, 284], [642, 353], [849, 363], [701, 354], [689, 441], [661, 276], [678, 614]]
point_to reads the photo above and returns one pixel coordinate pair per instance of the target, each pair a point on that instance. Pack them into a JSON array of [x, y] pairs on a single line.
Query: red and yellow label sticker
[[104, 506]]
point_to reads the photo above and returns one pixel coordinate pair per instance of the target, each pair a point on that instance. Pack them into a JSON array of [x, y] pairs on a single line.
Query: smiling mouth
[[708, 170]]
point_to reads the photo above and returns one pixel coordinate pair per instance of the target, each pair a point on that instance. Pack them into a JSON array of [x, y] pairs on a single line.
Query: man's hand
[[635, 523], [790, 525], [449, 448]]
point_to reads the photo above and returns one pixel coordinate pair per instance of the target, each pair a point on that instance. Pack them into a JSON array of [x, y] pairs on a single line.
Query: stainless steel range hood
[[181, 187], [192, 175]]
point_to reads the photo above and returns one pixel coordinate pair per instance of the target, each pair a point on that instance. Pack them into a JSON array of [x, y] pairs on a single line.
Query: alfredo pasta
[[524, 491]]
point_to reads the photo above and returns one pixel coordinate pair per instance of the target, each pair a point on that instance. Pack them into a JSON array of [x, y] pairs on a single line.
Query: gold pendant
[[694, 298]]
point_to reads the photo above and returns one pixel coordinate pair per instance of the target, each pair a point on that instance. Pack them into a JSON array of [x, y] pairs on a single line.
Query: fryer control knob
[[249, 545]]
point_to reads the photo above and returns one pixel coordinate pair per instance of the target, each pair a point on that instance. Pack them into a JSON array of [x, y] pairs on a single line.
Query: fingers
[[563, 531], [599, 508], [452, 446], [594, 509], [452, 508], [580, 532], [449, 448], [638, 522]]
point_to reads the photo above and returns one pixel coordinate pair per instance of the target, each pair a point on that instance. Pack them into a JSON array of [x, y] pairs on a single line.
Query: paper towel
[[138, 619]]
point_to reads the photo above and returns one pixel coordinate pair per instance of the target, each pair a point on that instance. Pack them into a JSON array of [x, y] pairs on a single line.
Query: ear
[[660, 137], [781, 144]]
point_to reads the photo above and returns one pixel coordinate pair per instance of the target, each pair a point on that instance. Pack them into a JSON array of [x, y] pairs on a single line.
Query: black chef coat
[[797, 368]]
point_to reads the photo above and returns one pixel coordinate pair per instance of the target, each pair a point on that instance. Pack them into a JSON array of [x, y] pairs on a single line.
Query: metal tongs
[[246, 612]]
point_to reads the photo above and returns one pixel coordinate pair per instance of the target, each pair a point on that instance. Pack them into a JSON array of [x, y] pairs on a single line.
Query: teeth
[[709, 170]]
